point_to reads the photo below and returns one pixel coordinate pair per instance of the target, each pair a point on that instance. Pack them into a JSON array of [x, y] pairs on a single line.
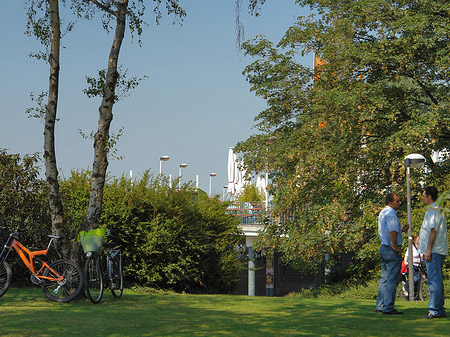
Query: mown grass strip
[[26, 312]]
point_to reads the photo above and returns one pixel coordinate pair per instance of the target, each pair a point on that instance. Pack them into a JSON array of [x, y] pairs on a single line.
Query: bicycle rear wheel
[[5, 277], [116, 275], [93, 278], [69, 287]]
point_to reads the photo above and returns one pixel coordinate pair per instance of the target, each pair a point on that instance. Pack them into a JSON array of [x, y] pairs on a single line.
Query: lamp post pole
[[161, 159], [211, 175], [182, 166], [414, 161], [410, 255], [225, 187]]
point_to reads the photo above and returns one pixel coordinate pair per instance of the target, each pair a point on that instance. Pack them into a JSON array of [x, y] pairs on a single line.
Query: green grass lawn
[[26, 312]]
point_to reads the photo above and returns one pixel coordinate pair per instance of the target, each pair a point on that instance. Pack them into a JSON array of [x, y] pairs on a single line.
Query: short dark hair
[[389, 198], [432, 192]]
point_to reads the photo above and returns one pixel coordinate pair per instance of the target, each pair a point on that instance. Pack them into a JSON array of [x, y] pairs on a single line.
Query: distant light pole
[[225, 188], [211, 175], [182, 166], [161, 159], [415, 161]]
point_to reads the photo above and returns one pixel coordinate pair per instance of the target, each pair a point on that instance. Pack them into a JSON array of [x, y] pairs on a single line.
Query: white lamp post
[[161, 159], [211, 175], [415, 161], [182, 166], [225, 188]]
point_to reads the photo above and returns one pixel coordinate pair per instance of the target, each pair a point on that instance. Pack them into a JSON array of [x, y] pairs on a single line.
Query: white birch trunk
[[101, 137], [51, 170]]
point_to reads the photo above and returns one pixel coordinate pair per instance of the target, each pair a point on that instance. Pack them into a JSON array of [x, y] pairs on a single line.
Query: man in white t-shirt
[[433, 243]]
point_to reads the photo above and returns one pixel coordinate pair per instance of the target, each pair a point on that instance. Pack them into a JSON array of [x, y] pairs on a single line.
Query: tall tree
[[44, 23], [118, 14], [344, 129]]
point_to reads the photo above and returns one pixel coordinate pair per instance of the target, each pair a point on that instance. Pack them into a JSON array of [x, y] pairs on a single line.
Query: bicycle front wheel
[[116, 275], [66, 289], [93, 278], [5, 277], [424, 290]]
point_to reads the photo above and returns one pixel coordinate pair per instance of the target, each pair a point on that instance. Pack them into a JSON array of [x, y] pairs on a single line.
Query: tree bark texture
[[101, 137], [51, 169]]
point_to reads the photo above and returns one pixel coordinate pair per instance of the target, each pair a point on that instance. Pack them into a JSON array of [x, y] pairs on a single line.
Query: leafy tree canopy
[[344, 128]]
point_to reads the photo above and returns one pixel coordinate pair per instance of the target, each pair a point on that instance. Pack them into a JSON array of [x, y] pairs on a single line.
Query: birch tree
[[116, 15], [43, 22], [120, 15]]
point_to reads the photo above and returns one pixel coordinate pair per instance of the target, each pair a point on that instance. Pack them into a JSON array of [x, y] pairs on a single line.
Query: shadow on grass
[[26, 312]]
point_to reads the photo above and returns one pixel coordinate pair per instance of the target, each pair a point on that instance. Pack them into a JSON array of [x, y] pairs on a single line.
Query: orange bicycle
[[61, 281]]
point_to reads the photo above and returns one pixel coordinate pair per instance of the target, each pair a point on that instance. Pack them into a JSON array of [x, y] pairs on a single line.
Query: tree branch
[[104, 8], [427, 92]]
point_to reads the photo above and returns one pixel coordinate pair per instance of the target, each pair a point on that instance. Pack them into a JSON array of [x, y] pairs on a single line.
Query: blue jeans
[[391, 263], [434, 271]]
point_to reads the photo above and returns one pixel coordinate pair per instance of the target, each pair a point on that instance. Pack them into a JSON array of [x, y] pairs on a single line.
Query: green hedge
[[170, 238]]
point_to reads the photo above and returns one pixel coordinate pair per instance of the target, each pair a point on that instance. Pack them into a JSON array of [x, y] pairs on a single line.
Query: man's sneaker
[[393, 312], [429, 315]]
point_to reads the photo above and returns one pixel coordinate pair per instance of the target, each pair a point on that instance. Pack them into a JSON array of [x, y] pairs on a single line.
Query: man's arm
[[394, 245], [431, 239]]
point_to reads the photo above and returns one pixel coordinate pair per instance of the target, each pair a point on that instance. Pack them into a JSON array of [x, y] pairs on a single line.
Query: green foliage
[[23, 196], [251, 193], [75, 196], [170, 239], [23, 205], [124, 85], [343, 129]]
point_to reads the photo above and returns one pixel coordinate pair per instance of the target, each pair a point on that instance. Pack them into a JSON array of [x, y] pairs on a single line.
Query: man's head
[[429, 195], [392, 200]]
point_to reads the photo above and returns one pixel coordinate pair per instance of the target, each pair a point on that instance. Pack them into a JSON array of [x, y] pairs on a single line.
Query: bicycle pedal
[[35, 280]]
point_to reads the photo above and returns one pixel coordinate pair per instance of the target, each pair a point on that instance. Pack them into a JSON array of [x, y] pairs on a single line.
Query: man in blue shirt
[[390, 233], [433, 243]]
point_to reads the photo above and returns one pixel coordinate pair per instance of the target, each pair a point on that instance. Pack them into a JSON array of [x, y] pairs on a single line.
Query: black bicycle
[[96, 276], [421, 289]]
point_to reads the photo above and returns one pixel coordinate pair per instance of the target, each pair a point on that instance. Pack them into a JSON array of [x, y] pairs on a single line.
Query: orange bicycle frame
[[28, 261]]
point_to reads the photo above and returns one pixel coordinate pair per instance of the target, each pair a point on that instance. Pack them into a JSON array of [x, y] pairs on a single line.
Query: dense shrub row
[[171, 238]]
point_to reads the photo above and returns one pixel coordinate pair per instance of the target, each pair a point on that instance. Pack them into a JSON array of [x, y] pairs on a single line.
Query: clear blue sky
[[194, 106]]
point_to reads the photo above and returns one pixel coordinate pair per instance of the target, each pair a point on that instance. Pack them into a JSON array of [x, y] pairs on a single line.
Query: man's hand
[[405, 228], [397, 249], [431, 240], [394, 245], [428, 255]]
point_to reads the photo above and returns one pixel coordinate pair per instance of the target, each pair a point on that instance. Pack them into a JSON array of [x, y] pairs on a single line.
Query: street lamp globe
[[414, 160]]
